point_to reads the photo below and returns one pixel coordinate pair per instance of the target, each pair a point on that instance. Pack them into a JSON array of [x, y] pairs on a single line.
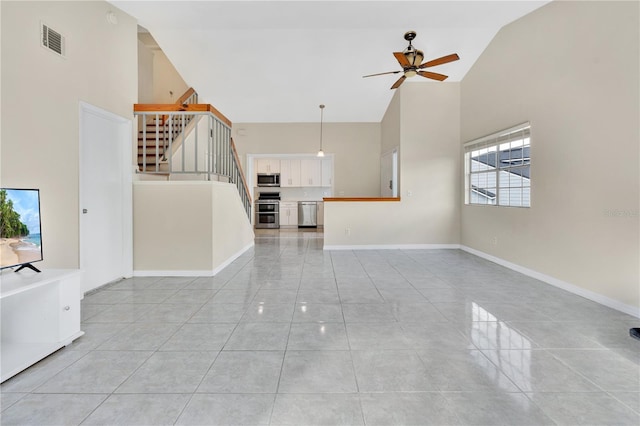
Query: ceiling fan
[[410, 59]]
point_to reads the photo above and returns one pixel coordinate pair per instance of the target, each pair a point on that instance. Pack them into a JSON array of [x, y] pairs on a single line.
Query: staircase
[[190, 140], [154, 141], [151, 149], [158, 132]]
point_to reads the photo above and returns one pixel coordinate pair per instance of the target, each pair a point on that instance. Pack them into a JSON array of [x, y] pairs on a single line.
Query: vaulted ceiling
[[276, 61]]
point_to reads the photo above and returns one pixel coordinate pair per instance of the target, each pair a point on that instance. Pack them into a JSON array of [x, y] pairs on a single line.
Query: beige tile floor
[[292, 335]]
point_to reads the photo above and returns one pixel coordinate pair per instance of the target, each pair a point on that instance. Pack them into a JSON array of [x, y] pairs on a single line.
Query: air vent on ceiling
[[52, 40]]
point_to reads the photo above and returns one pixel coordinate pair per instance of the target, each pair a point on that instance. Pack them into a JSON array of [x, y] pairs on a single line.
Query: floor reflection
[[506, 347]]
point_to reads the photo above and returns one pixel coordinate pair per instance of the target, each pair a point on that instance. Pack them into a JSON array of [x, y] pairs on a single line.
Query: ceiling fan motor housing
[[414, 56]]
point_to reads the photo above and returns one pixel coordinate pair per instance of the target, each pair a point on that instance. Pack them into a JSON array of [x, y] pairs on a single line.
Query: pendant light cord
[[321, 121]]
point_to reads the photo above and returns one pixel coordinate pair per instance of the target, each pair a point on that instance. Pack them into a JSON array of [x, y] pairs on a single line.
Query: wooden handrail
[[180, 101], [181, 106], [185, 108], [190, 91], [218, 114], [158, 107], [244, 182], [365, 199]]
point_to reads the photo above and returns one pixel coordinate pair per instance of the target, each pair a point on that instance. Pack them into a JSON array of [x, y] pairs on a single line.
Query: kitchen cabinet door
[[326, 172], [310, 172], [267, 165], [288, 214], [262, 165], [289, 173]]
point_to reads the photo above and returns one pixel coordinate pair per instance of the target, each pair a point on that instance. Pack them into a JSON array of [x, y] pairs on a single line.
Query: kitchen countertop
[[361, 199]]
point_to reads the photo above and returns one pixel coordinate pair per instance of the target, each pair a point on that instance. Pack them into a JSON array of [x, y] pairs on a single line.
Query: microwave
[[268, 179]]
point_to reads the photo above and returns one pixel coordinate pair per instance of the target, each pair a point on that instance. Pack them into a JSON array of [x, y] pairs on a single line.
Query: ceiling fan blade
[[440, 61], [402, 59], [381, 73], [433, 75], [399, 82]]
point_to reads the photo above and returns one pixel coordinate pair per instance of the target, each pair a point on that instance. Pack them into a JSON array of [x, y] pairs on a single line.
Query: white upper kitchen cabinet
[[310, 172], [267, 165], [289, 172], [326, 172]]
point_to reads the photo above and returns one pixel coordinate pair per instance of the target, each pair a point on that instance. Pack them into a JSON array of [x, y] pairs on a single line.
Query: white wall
[[390, 130], [145, 74], [232, 230], [390, 125], [196, 139], [168, 85], [428, 126], [187, 228], [571, 69], [430, 159], [40, 104], [356, 149]]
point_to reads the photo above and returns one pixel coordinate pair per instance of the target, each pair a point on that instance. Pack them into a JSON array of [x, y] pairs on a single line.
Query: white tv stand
[[40, 314]]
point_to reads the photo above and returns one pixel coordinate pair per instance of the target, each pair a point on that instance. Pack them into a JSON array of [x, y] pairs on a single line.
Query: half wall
[[187, 228]]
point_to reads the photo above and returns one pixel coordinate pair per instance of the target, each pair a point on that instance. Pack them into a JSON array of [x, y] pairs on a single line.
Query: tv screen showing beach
[[20, 240]]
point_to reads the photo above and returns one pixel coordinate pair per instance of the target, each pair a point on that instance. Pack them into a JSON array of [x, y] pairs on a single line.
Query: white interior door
[[389, 174], [105, 197]]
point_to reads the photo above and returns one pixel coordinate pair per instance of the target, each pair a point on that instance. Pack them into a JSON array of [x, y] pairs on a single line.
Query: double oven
[[267, 210]]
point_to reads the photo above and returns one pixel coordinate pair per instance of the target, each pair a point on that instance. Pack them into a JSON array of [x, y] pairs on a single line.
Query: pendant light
[[321, 152]]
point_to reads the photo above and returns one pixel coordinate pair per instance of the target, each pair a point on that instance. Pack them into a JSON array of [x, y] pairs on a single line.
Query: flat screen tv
[[20, 239]]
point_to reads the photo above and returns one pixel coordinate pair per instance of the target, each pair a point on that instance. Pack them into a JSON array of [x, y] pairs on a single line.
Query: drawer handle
[[66, 308]]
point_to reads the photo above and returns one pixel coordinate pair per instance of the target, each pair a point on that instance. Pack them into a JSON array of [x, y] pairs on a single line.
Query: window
[[498, 168]]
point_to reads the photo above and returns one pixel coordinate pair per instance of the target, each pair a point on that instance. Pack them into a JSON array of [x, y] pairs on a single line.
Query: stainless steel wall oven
[[267, 210]]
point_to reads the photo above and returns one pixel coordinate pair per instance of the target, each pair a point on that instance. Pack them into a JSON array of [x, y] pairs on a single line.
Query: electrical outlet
[[494, 241], [347, 231], [409, 193]]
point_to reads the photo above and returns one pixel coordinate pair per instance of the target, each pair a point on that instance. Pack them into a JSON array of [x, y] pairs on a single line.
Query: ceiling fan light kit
[[411, 62]]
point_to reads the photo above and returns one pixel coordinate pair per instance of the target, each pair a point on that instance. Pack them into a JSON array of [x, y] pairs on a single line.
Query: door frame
[[394, 170], [125, 131]]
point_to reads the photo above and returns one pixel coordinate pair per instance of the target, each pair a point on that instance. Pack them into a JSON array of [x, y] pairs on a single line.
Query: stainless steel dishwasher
[[307, 212]]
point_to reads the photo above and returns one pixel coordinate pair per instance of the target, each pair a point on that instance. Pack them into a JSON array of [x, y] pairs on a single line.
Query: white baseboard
[[172, 273], [393, 247], [193, 273], [571, 288], [233, 257]]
